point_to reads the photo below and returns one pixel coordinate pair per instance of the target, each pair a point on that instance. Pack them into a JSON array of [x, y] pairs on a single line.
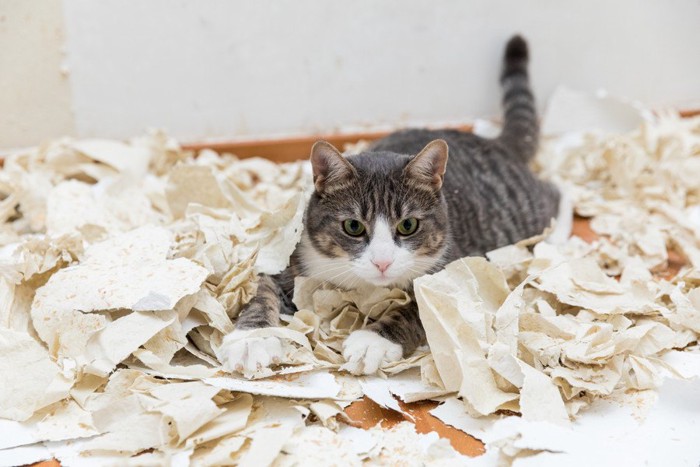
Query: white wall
[[35, 100], [242, 69]]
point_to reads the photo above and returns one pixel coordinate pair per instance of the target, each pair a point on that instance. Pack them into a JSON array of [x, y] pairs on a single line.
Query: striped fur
[[520, 129]]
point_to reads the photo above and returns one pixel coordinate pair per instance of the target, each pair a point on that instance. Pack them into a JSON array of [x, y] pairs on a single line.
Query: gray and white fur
[[399, 210]]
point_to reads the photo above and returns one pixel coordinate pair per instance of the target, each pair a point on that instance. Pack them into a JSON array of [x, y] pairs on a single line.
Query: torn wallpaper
[[123, 265]]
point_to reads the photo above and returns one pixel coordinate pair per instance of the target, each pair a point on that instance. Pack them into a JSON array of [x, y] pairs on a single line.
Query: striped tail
[[520, 129]]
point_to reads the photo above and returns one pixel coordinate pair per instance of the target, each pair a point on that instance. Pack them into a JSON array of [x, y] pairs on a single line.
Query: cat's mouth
[[383, 281], [394, 279], [397, 275]]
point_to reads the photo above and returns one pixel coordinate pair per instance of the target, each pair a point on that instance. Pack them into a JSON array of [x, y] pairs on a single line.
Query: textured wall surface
[[35, 98]]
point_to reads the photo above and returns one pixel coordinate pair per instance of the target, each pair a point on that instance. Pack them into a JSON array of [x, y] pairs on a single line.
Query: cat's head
[[376, 217]]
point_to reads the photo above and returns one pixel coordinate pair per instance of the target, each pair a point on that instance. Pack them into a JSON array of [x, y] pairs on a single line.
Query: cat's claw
[[366, 351], [249, 355]]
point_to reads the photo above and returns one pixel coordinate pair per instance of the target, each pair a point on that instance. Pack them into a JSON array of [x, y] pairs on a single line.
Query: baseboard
[[289, 149], [296, 148]]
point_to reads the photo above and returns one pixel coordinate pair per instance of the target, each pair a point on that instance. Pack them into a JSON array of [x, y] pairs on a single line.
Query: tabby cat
[[397, 211]]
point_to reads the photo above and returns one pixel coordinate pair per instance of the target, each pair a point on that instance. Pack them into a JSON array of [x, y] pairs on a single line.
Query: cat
[[398, 211]]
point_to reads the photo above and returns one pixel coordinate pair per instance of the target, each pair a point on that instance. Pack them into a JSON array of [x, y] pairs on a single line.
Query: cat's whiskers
[[353, 282], [323, 260], [330, 268], [307, 268], [422, 264], [330, 280], [342, 270]]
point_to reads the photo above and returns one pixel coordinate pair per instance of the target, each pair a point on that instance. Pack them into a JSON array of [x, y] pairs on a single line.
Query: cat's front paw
[[249, 355], [366, 351]]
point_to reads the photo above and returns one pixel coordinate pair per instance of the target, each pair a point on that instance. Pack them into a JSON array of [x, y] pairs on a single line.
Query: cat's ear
[[331, 170], [428, 167]]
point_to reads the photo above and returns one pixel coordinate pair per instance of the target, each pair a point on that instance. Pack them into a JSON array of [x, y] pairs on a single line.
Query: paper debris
[[272, 425], [24, 455], [302, 386], [317, 445], [129, 159], [232, 419], [15, 434], [403, 446], [31, 380], [124, 265], [193, 184], [631, 429], [378, 390], [599, 322], [570, 110], [362, 442], [457, 308], [129, 271], [410, 386], [112, 205], [452, 413]]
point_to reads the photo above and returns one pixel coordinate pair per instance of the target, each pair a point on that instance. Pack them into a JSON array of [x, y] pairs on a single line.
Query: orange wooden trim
[[298, 147], [289, 149]]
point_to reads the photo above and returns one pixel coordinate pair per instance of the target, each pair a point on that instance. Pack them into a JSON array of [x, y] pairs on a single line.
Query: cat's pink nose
[[382, 265]]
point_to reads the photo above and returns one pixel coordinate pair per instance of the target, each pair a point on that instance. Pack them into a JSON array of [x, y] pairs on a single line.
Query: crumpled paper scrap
[[31, 379], [565, 333], [466, 309], [128, 271], [111, 205], [90, 229], [197, 191]]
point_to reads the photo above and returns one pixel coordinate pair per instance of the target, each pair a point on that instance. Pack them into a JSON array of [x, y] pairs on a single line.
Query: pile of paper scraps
[[122, 265]]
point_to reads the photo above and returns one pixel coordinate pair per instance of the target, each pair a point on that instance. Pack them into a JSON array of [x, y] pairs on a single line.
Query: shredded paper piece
[[124, 264]]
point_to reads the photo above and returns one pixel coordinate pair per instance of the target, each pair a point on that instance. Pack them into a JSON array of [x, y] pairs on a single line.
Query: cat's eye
[[407, 226], [353, 227]]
